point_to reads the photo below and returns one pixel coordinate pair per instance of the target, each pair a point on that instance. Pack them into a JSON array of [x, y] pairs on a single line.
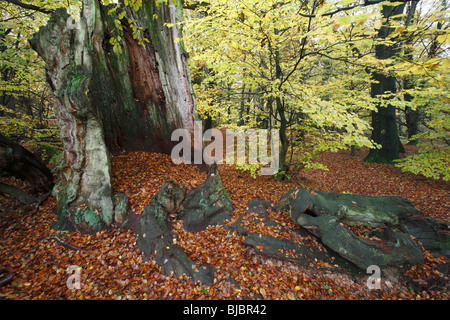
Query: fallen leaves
[[140, 175], [113, 268], [350, 174]]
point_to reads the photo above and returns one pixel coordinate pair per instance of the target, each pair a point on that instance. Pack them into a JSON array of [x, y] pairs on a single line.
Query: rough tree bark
[[111, 102], [323, 214]]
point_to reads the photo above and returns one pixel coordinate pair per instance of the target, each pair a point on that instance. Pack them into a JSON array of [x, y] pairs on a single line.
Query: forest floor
[[112, 267]]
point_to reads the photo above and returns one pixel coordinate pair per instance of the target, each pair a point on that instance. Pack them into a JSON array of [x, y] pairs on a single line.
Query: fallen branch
[[18, 194], [65, 244], [5, 278]]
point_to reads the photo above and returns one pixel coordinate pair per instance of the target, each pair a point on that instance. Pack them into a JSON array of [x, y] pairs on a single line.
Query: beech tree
[[118, 73], [24, 98], [318, 70], [121, 84], [270, 55]]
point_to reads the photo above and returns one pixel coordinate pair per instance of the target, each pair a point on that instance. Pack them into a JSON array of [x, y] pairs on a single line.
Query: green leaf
[[118, 24], [121, 15]]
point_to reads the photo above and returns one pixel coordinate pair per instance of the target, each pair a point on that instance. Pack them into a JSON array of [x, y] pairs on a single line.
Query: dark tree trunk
[[284, 167], [243, 119], [412, 117], [384, 124], [18, 162], [280, 107], [111, 102], [6, 74]]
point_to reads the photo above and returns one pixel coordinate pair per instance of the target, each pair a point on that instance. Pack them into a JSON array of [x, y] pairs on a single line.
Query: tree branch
[[65, 244], [194, 4], [29, 6], [364, 3], [302, 51]]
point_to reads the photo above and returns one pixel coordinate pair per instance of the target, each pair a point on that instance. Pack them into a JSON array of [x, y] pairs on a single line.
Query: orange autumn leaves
[[114, 268], [140, 175]]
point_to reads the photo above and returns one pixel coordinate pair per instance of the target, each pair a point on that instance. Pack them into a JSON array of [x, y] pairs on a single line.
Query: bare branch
[[194, 4], [29, 6], [364, 3]]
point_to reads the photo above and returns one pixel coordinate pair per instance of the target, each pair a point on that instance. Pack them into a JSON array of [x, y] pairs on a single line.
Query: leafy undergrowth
[[112, 267]]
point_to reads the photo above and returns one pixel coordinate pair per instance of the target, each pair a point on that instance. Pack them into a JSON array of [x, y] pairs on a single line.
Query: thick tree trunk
[[384, 123], [109, 101]]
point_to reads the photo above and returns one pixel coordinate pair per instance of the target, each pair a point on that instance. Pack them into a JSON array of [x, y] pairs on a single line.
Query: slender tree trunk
[[6, 74], [411, 114], [283, 166], [384, 124], [110, 101], [269, 107], [242, 119]]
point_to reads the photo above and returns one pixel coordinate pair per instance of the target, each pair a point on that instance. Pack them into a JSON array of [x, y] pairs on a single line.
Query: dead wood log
[[324, 215], [18, 194], [16, 161]]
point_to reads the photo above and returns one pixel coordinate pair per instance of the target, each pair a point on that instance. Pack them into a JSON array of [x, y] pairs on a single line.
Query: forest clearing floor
[[112, 267]]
